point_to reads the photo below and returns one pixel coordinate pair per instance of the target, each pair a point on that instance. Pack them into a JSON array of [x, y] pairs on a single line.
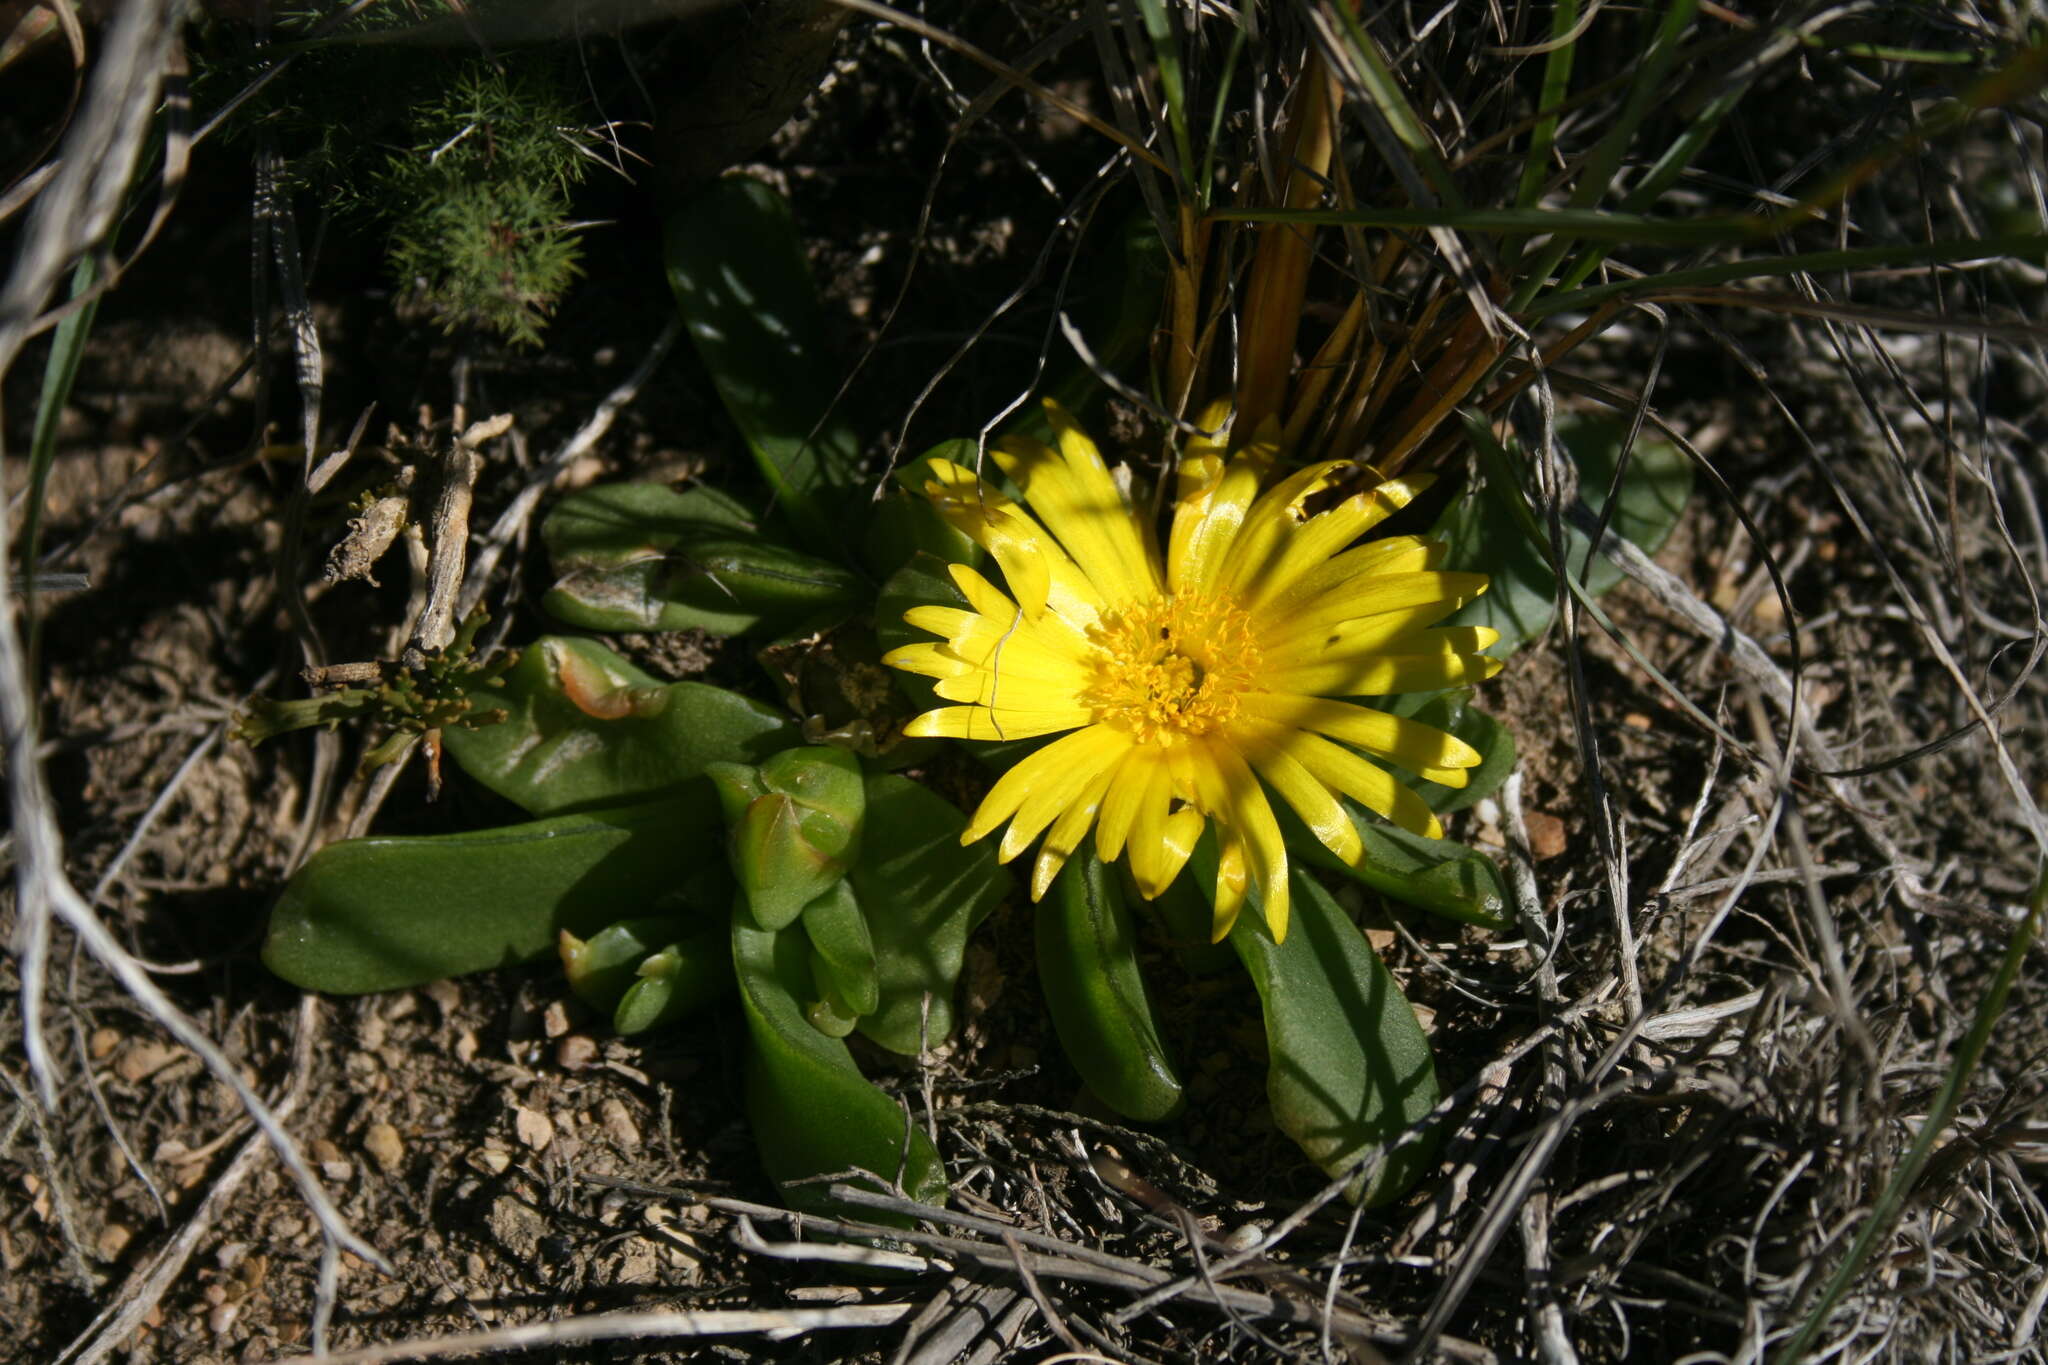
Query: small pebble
[[575, 1052], [1246, 1237], [445, 994], [103, 1043], [331, 1162], [385, 1147], [113, 1240], [1546, 835], [144, 1058], [533, 1128], [554, 1020], [618, 1125]]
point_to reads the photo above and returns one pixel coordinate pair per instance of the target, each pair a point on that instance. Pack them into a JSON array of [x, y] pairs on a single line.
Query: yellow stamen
[[1171, 668]]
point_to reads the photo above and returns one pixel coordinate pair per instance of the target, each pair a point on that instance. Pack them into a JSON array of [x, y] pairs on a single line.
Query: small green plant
[[478, 199], [466, 164], [451, 691], [847, 893]]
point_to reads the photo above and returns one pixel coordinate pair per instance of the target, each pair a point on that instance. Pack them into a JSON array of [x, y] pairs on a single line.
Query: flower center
[[1171, 667]]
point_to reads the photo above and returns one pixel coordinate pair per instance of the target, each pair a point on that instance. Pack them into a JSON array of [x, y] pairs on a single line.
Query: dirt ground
[[1709, 1121]]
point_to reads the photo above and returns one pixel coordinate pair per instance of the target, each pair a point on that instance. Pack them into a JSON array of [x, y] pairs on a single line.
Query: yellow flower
[[1195, 681]]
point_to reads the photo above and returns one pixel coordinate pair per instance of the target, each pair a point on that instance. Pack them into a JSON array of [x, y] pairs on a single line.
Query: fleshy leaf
[[586, 728], [1348, 1064], [603, 966], [844, 962], [1493, 532], [1436, 875], [779, 870], [379, 914], [744, 289], [794, 842], [827, 784], [681, 979], [812, 1112], [646, 557], [922, 894], [1088, 969]]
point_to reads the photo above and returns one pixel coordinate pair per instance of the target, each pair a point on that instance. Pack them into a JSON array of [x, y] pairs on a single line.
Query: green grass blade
[[2026, 246], [1377, 79], [1679, 155], [1605, 161], [1879, 1223], [1566, 223], [1220, 106], [1557, 79], [1172, 84], [59, 372]]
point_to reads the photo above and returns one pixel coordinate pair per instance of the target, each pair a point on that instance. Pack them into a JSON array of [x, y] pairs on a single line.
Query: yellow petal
[[1228, 893], [1322, 536], [1273, 522], [1037, 570], [1376, 675], [1227, 787], [979, 722], [1135, 780], [1371, 602], [931, 659], [1067, 832], [1161, 840], [1072, 492], [1422, 749], [1204, 527], [1311, 799], [1368, 784], [1034, 792], [1396, 554]]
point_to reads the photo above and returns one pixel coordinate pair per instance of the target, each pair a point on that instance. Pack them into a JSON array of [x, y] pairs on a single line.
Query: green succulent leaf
[[380, 914], [1088, 969], [906, 524], [923, 894], [779, 870], [844, 962], [649, 557], [744, 289], [1348, 1065], [812, 1112], [827, 785], [828, 1014], [602, 967], [586, 728], [792, 843], [1436, 875], [677, 981], [1494, 532]]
